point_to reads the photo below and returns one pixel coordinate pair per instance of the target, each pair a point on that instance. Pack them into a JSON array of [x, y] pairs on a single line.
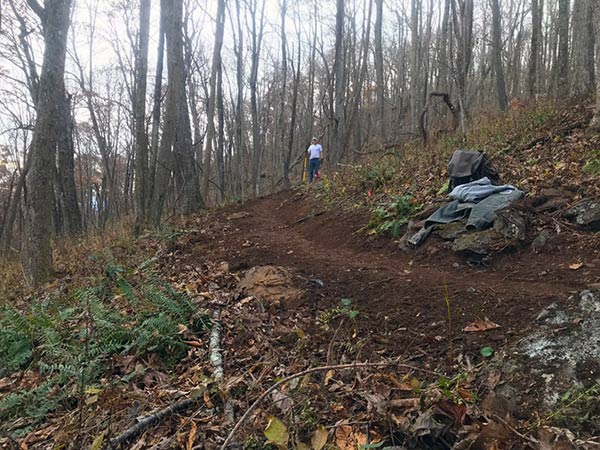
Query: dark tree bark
[[498, 67], [582, 69], [257, 144], [595, 123], [212, 99], [534, 54], [462, 20], [141, 138], [176, 154], [65, 162], [156, 112], [183, 152], [339, 141], [563, 49], [379, 68], [37, 250]]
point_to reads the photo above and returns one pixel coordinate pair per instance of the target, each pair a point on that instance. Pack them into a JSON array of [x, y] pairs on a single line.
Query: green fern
[[70, 341]]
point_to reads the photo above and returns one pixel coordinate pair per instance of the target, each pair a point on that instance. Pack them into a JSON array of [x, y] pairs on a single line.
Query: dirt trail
[[400, 295]]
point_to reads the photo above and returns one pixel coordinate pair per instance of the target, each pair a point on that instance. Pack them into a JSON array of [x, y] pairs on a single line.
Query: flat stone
[[586, 214], [480, 243], [451, 231]]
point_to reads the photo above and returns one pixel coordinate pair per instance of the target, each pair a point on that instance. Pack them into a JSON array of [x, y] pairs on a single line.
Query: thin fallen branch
[[216, 358], [151, 420], [265, 394]]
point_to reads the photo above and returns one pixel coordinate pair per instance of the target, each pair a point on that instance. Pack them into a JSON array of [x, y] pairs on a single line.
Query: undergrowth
[[392, 185], [66, 344]]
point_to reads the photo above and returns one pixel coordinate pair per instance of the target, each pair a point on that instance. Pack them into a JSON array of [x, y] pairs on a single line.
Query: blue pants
[[313, 168]]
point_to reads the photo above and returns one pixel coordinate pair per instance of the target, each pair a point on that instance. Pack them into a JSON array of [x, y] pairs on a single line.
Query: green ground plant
[[70, 341], [390, 216]]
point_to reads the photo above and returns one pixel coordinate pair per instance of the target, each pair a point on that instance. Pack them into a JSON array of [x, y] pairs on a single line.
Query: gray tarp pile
[[477, 202]]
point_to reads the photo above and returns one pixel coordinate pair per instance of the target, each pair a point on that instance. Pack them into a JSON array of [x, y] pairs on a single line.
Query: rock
[[451, 231], [480, 243], [589, 302], [271, 284], [551, 315], [511, 224], [569, 353], [540, 241], [317, 282], [552, 204], [551, 192], [586, 214], [238, 215]]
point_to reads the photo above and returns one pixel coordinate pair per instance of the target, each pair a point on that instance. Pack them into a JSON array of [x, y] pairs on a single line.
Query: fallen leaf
[[98, 441], [282, 401], [206, 397], [301, 446], [192, 436], [328, 377], [480, 325], [319, 438], [576, 266], [344, 437], [277, 433]]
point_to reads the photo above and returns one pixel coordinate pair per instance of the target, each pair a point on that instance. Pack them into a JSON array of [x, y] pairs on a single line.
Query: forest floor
[[418, 349]]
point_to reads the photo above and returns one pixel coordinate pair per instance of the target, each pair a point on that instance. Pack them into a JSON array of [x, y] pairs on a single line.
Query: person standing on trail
[[315, 154]]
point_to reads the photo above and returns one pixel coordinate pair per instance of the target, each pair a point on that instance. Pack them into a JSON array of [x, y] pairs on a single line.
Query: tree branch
[[37, 8]]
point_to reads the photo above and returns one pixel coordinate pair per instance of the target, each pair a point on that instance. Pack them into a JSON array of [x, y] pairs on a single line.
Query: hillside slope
[[499, 351]]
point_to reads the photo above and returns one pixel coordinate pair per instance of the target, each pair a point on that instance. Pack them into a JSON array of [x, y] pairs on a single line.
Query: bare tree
[[595, 123], [379, 67], [210, 109], [498, 66], [141, 137], [562, 61], [37, 251]]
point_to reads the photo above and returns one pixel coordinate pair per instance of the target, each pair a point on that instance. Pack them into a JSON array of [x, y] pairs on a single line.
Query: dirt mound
[[271, 284]]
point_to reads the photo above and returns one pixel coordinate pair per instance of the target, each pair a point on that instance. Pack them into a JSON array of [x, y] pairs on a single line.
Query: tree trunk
[[595, 123], [462, 19], [37, 250], [340, 84], [141, 138], [239, 106], [534, 54], [563, 49], [379, 68], [210, 108], [257, 36], [498, 67], [156, 102], [183, 152], [582, 71], [65, 162]]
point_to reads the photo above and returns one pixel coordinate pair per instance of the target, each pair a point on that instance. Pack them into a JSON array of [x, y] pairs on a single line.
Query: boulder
[[586, 214], [511, 224]]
